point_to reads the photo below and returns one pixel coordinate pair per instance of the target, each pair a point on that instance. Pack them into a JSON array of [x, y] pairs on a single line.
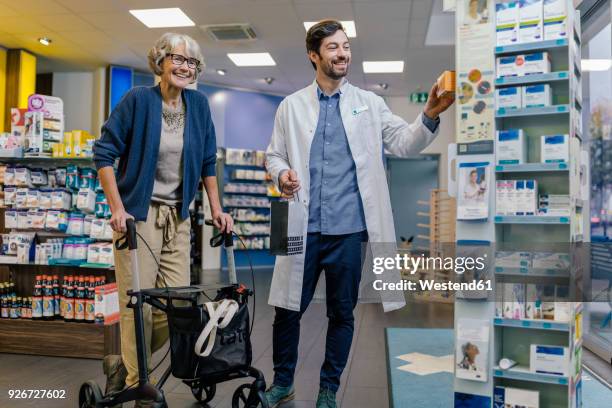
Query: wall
[[2, 88], [77, 91], [402, 107]]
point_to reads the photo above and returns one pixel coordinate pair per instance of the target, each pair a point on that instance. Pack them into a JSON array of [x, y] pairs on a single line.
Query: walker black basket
[[231, 351]]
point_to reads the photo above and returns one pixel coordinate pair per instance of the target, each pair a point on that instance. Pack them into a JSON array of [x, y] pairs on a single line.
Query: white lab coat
[[370, 126]]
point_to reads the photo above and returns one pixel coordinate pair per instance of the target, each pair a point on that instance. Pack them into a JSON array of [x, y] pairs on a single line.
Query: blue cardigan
[[132, 134]]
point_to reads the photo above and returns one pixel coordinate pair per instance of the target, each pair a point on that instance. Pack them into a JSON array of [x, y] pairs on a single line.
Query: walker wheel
[[246, 397], [203, 393], [90, 395]]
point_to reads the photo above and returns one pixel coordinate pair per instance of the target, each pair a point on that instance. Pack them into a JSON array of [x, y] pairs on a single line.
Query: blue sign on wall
[[120, 80]]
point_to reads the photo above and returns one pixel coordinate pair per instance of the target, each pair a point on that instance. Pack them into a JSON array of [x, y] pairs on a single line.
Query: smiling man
[[328, 143]]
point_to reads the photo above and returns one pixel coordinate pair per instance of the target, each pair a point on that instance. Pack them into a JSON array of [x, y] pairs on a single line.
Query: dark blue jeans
[[340, 257]]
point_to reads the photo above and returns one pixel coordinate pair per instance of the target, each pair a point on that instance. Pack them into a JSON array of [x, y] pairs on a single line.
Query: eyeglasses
[[179, 60]]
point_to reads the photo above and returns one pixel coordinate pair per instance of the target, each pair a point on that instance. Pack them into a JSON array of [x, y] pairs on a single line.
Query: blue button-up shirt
[[335, 206]]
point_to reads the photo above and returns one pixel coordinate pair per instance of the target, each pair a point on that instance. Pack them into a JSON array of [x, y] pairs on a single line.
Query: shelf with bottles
[[269, 190], [252, 243], [245, 157]]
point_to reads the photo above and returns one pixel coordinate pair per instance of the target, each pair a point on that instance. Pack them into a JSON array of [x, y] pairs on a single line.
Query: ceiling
[[92, 33]]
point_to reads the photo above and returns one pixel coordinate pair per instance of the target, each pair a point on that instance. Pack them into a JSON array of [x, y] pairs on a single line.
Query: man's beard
[[328, 69]]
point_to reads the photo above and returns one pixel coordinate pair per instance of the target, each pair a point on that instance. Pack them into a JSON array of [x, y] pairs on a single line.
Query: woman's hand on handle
[[118, 220]]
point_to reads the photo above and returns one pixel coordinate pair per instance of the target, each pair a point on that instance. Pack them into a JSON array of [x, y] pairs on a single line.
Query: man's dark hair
[[318, 32]]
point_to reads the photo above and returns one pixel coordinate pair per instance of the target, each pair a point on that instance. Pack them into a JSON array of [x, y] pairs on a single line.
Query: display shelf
[[246, 193], [531, 324], [532, 79], [246, 206], [531, 167], [84, 265], [531, 272], [530, 219], [48, 160], [535, 111], [248, 179], [532, 46], [523, 374]]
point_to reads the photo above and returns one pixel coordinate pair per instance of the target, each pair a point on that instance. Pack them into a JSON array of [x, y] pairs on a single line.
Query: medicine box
[[535, 63], [526, 197], [536, 96], [554, 149], [505, 192], [510, 146], [555, 19], [507, 22], [553, 360], [506, 397], [510, 66], [530, 21], [508, 98]]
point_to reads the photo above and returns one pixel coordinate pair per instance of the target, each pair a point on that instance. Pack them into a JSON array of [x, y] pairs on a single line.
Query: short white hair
[[166, 44]]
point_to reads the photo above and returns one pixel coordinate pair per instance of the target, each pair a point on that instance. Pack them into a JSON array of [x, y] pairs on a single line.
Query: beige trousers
[[169, 237]]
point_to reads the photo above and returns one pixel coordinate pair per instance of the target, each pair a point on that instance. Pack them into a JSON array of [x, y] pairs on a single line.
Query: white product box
[[10, 219], [508, 98], [509, 66], [554, 149], [555, 19], [536, 96], [526, 197], [530, 21], [512, 259], [506, 397], [536, 63], [554, 212], [86, 200], [533, 301], [555, 199], [506, 22], [503, 205], [552, 360], [510, 147]]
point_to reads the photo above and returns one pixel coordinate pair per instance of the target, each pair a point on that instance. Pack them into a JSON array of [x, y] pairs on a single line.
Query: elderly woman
[[164, 139]]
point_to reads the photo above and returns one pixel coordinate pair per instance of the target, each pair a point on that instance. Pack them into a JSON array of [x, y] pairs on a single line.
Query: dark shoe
[[115, 372], [326, 398], [277, 395], [149, 404]]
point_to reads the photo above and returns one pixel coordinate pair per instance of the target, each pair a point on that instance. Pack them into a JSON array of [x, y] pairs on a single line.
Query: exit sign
[[418, 97]]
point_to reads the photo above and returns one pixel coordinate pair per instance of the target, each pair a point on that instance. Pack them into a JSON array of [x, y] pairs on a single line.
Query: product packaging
[[61, 200], [506, 397], [34, 125], [506, 22], [509, 66], [9, 195], [88, 179], [32, 200], [446, 83], [9, 176], [562, 303], [530, 21], [37, 219], [508, 98], [548, 302], [56, 220], [510, 147], [23, 221], [72, 177], [553, 360], [533, 301], [536, 63], [86, 200], [75, 224], [503, 205], [535, 96], [526, 197], [23, 177], [39, 177], [555, 19], [10, 219], [513, 259], [107, 304], [554, 149]]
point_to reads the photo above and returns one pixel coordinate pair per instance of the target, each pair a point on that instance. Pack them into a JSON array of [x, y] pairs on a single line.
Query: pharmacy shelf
[[532, 46], [531, 272], [48, 160], [523, 374], [530, 219], [535, 111], [248, 179], [531, 167], [531, 324], [247, 206], [82, 265], [245, 193], [533, 79]]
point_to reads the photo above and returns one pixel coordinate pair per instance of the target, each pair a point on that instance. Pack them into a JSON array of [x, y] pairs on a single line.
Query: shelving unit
[[534, 234]]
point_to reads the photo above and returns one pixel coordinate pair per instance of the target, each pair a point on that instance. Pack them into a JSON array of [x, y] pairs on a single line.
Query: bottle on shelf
[[47, 297], [90, 301], [56, 297], [69, 300], [79, 300], [13, 310], [4, 308], [37, 299]]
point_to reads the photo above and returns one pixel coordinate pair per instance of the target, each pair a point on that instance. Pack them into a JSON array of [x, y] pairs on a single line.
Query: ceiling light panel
[[383, 67], [252, 59], [163, 17], [596, 64], [349, 27]]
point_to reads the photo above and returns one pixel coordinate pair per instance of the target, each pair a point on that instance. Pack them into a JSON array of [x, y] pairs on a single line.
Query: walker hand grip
[[131, 234]]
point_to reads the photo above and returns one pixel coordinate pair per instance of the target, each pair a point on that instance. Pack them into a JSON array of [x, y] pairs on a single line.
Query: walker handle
[[131, 234]]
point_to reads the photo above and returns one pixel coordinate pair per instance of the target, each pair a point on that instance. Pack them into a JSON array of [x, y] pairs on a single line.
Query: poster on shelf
[[472, 349], [475, 63], [473, 191]]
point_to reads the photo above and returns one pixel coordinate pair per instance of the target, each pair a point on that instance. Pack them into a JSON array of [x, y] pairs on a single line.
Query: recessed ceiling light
[[163, 17], [349, 27], [252, 59], [45, 41], [596, 64], [379, 67], [269, 80], [221, 72]]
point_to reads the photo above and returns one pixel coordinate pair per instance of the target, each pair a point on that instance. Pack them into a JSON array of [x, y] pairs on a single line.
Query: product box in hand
[[555, 19], [506, 22], [553, 360], [107, 304], [506, 397], [510, 147], [508, 98], [530, 21], [554, 149], [446, 83], [536, 96]]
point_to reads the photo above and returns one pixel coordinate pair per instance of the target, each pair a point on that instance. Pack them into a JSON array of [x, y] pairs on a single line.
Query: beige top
[[168, 186]]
